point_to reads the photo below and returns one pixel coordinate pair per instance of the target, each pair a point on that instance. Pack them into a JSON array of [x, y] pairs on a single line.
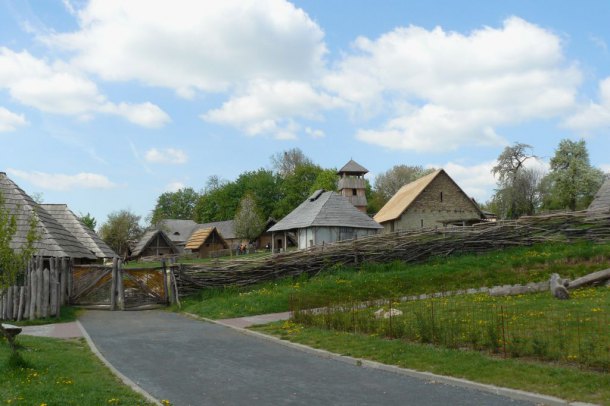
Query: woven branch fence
[[44, 288], [410, 247]]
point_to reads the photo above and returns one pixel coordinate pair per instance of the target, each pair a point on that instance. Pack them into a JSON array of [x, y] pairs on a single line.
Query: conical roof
[[601, 201], [84, 234], [325, 209], [353, 167], [54, 239]]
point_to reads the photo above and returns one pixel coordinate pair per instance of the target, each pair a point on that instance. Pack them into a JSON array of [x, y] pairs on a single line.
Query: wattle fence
[[410, 247], [45, 286]]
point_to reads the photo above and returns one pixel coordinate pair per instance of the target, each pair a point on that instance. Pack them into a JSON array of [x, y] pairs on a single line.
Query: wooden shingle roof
[[601, 201], [178, 231], [147, 238], [225, 228], [328, 209], [54, 239], [407, 194], [353, 167], [84, 234], [200, 236]]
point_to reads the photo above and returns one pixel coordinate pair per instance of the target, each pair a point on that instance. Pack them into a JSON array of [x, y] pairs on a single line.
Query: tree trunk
[[558, 289]]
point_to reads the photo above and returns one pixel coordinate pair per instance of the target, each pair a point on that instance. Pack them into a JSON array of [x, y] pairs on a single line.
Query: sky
[[106, 104]]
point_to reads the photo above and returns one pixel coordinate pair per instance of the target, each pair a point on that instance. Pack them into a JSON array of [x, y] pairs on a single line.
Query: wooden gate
[[116, 288]]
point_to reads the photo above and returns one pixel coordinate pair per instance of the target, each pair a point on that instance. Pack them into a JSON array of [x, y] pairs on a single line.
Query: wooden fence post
[[39, 287], [69, 276], [120, 286], [53, 287], [113, 284], [21, 309], [45, 291], [165, 292], [32, 292], [15, 302]]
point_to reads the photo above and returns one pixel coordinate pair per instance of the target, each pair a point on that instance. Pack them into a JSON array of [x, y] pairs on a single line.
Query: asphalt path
[[190, 362]]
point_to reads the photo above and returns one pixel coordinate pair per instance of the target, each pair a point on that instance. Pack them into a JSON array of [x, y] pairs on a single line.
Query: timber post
[[120, 285], [113, 285]]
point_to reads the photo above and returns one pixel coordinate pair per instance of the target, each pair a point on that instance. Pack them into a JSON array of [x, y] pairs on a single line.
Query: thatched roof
[[178, 231], [353, 167], [407, 194], [325, 209], [147, 238], [54, 239], [601, 201], [84, 234], [202, 235]]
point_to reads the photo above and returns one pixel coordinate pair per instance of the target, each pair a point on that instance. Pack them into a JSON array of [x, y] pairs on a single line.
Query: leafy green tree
[[121, 229], [296, 187], [572, 181], [286, 162], [89, 221], [248, 221], [13, 261], [326, 179], [175, 205], [388, 183]]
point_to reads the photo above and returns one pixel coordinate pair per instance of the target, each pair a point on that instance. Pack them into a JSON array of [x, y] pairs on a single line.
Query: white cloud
[[593, 116], [9, 121], [605, 167], [453, 89], [62, 182], [314, 133], [270, 108], [174, 186], [59, 89], [166, 156], [194, 44]]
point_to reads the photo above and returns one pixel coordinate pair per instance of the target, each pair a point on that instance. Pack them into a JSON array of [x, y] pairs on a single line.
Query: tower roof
[[353, 167]]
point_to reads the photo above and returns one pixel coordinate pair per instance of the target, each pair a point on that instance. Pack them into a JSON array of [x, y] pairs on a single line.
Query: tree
[[248, 221], [175, 205], [572, 181], [296, 187], [285, 163], [13, 261], [326, 179], [89, 221], [388, 183], [121, 228], [518, 187]]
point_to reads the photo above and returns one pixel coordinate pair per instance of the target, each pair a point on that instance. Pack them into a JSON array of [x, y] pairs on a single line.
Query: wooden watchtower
[[352, 184]]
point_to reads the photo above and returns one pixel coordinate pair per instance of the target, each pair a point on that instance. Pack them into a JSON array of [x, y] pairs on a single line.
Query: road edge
[[448, 380], [128, 382]]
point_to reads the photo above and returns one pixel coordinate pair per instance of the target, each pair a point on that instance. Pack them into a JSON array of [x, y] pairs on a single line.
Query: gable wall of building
[[429, 209]]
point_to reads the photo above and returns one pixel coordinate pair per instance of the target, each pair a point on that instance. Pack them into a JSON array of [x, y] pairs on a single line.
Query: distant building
[[601, 201], [178, 231], [205, 242], [325, 217], [352, 184], [154, 243], [54, 239], [434, 200]]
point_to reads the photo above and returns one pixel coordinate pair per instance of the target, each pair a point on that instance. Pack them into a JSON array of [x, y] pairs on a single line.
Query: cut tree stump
[[557, 287]]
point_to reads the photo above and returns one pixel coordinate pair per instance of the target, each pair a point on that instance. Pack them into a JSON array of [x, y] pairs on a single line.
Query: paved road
[[194, 363]]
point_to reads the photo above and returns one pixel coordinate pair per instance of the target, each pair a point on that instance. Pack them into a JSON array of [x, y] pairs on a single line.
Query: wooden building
[[154, 243], [178, 231], [325, 217], [434, 200], [205, 242], [601, 201], [88, 237], [54, 239], [352, 184]]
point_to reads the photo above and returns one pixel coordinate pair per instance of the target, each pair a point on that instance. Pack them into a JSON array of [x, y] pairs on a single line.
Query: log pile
[[406, 246]]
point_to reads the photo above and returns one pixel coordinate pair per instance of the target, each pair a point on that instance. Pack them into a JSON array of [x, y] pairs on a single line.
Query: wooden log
[[8, 313], [69, 277], [15, 302], [63, 282], [46, 292], [120, 286], [113, 285], [557, 287], [590, 279], [32, 295], [53, 289], [39, 289], [22, 297]]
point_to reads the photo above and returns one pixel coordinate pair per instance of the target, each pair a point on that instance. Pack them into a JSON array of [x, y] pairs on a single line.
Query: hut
[[53, 239], [88, 237], [205, 242], [227, 230], [178, 231], [325, 217], [154, 243], [429, 202], [352, 184], [601, 201]]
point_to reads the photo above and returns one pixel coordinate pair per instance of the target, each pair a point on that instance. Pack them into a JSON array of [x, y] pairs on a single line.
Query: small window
[[354, 192], [176, 233], [441, 197]]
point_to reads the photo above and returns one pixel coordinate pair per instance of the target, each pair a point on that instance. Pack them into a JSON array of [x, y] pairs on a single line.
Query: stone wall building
[[432, 201]]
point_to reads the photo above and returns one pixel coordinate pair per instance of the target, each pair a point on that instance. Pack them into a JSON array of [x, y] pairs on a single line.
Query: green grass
[[556, 380], [372, 281], [533, 325], [68, 314], [60, 372]]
